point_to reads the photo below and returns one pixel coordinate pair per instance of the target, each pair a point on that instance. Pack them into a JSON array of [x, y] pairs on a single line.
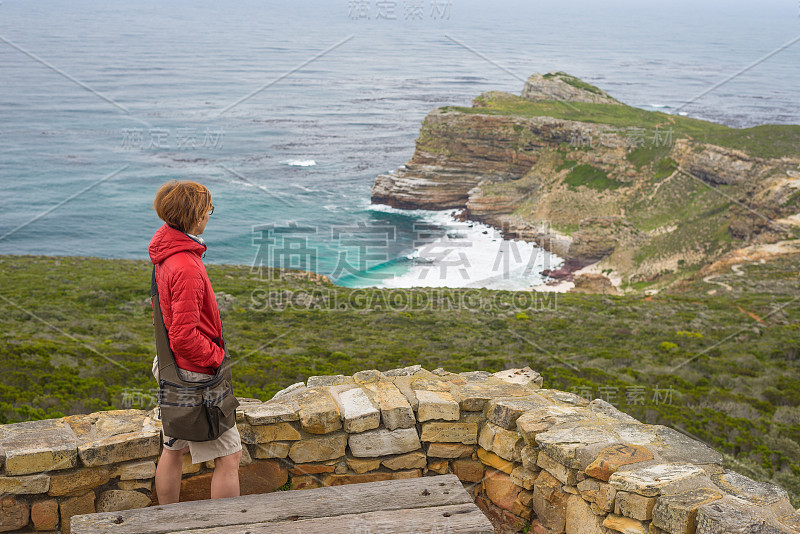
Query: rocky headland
[[643, 199]]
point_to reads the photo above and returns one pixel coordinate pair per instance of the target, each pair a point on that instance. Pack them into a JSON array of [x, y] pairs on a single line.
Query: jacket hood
[[168, 241]]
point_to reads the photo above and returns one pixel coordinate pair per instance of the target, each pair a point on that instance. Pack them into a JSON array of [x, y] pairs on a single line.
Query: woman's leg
[[225, 480], [168, 475]]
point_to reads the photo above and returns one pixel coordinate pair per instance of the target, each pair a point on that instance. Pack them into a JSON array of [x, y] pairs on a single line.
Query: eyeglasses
[[210, 213]]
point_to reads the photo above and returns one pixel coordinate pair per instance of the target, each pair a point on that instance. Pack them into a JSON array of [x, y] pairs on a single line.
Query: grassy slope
[[766, 141], [741, 394]]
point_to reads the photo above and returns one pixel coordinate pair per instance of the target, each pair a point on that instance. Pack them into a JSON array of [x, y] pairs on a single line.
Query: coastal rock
[[565, 88]]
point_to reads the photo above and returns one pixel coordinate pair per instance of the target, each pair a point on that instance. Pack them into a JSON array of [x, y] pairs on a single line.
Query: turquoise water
[[161, 85]]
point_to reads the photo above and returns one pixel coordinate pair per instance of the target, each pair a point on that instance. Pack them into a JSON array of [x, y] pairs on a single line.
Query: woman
[[194, 327]]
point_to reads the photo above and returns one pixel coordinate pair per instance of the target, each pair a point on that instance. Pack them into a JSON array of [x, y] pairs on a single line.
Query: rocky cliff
[[648, 197]]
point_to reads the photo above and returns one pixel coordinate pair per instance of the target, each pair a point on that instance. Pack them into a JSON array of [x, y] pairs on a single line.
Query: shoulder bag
[[194, 411]]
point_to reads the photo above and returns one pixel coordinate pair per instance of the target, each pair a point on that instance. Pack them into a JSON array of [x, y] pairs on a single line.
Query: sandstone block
[[505, 412], [271, 413], [677, 513], [529, 456], [436, 405], [449, 450], [24, 485], [136, 470], [268, 433], [396, 412], [318, 412], [44, 514], [382, 442], [612, 458], [491, 459], [358, 412], [500, 489], [504, 443], [550, 502], [363, 465], [276, 449], [634, 506], [759, 493], [561, 472], [466, 433], [75, 506], [625, 525], [523, 477], [115, 500], [526, 377], [580, 519], [468, 470], [317, 449], [78, 481], [441, 467], [649, 481], [37, 446], [411, 460]]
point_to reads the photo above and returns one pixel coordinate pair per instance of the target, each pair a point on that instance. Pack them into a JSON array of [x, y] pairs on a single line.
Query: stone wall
[[536, 459]]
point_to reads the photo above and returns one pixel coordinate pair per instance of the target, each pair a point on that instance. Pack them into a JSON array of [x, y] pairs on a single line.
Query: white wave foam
[[474, 255], [300, 162]]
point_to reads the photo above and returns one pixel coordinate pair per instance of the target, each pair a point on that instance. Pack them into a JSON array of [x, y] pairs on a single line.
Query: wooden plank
[[453, 519], [279, 506]]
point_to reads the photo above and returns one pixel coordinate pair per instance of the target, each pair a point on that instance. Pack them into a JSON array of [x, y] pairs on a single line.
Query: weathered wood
[[454, 519], [282, 506]]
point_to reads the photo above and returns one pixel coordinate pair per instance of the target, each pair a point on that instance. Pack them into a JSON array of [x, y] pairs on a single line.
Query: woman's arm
[[184, 335]]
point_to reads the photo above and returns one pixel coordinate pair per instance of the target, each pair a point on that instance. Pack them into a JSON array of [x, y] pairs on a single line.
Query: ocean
[[288, 110]]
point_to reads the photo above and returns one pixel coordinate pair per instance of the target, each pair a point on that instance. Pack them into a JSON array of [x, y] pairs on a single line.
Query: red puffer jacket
[[187, 301]]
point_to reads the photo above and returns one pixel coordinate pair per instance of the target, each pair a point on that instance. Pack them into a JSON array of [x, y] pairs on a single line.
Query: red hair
[[182, 204]]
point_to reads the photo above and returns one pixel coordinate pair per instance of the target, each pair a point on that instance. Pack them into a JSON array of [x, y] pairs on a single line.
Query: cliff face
[[648, 195]]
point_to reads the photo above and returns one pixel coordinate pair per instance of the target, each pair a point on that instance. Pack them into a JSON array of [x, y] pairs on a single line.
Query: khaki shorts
[[228, 443]]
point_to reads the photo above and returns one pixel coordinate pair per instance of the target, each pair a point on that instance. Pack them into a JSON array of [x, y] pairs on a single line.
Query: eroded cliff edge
[[647, 197]]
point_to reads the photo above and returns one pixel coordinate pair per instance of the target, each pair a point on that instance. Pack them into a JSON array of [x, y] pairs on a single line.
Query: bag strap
[[167, 370]]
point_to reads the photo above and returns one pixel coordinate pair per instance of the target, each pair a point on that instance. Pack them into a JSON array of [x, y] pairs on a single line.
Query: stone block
[[500, 489], [135, 470], [357, 410], [24, 485], [649, 481], [363, 465], [276, 449], [524, 477], [436, 405], [625, 525], [580, 519], [271, 413], [434, 431], [526, 377], [612, 458], [411, 460], [550, 502], [677, 513], [37, 446], [318, 412], [468, 470], [78, 481], [83, 504], [254, 434], [760, 494], [116, 500], [450, 450], [561, 472], [317, 449], [492, 460], [505, 412], [383, 442], [44, 514], [507, 444], [396, 412], [634, 506]]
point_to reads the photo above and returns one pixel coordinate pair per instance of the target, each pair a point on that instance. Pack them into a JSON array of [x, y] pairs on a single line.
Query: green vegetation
[[590, 177], [767, 141], [574, 82], [77, 337]]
